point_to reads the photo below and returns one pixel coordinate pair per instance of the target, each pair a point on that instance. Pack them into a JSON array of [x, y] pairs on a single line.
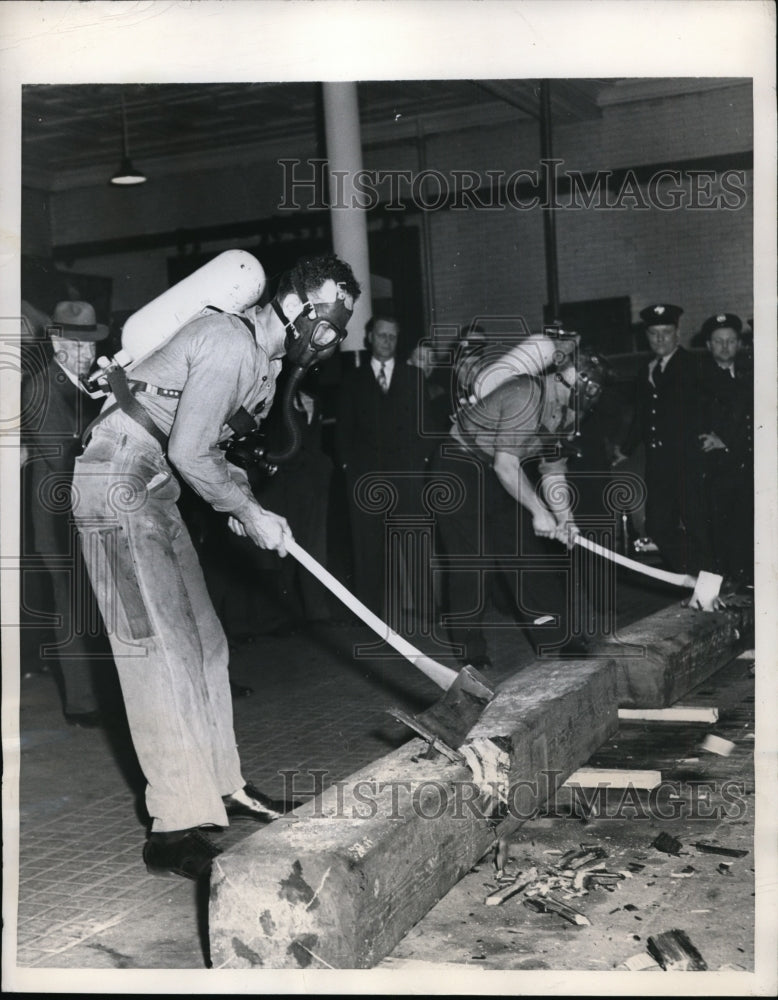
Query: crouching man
[[501, 513], [170, 649]]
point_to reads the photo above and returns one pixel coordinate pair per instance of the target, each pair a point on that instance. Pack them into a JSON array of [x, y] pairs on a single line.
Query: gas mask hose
[[288, 414]]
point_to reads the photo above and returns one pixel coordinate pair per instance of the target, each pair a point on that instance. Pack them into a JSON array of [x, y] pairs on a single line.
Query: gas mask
[[315, 334], [310, 338], [591, 374]]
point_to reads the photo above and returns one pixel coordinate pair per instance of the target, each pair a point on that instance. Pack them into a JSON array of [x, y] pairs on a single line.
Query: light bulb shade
[[127, 174]]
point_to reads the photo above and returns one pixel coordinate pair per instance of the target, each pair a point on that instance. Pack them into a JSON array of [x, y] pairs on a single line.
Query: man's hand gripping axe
[[705, 586]]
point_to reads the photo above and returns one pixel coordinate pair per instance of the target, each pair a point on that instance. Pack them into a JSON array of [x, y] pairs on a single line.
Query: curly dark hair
[[310, 273]]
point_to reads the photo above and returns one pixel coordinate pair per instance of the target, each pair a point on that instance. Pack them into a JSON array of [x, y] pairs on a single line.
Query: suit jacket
[[666, 419], [54, 416], [726, 409], [379, 431]]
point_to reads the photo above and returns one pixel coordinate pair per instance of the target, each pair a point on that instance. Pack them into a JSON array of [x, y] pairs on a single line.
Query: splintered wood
[[675, 952], [574, 874]]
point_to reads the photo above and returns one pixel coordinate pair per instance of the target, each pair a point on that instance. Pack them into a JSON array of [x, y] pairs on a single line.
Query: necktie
[[383, 384], [659, 373]]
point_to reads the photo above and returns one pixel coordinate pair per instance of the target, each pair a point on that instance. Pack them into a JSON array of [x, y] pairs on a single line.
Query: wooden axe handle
[[443, 676], [678, 579]]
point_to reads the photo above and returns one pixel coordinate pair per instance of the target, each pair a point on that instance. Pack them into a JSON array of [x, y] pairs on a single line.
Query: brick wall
[[492, 262], [702, 259]]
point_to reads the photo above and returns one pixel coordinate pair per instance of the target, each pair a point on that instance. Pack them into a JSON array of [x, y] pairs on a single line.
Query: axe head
[[706, 592], [453, 716]]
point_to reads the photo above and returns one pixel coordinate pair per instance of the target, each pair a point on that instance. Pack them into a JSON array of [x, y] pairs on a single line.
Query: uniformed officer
[[726, 440], [665, 422]]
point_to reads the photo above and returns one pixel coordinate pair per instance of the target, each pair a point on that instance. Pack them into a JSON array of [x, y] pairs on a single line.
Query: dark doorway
[[395, 255], [604, 324]]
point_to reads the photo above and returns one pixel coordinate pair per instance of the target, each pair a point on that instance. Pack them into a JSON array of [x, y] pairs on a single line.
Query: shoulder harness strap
[[126, 401]]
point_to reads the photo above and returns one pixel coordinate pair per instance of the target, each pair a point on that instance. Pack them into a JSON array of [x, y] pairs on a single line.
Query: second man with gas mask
[[501, 514]]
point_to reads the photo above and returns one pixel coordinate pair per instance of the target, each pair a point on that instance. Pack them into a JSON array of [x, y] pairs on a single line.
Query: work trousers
[[74, 650], [728, 514], [170, 650], [48, 532], [674, 510], [485, 531], [376, 576]]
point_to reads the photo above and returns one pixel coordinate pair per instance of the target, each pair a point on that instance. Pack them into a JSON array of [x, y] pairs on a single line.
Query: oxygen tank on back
[[497, 361], [232, 281]]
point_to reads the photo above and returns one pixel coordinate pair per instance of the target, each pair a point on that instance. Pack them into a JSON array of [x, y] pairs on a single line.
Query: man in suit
[[726, 441], [55, 412], [665, 423], [379, 409]]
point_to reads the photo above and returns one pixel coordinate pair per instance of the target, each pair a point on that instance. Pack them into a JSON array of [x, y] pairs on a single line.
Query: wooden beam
[[343, 879], [665, 655]]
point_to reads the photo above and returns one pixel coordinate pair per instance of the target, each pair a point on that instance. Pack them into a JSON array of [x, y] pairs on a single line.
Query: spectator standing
[[726, 420], [56, 411], [665, 423], [379, 407]]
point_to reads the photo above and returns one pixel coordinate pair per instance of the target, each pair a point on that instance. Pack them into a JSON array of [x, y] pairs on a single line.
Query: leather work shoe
[[250, 803], [180, 852]]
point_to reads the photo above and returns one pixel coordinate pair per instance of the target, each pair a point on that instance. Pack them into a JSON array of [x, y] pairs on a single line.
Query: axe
[[705, 586], [446, 723]]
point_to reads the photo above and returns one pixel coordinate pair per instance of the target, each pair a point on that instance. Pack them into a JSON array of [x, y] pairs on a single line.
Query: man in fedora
[[55, 412], [665, 423]]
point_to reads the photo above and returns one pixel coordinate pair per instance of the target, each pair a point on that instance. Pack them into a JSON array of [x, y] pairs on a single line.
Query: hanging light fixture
[[127, 174]]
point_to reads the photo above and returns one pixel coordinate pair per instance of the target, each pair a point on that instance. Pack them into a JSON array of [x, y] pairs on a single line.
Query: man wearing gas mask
[[511, 449], [211, 382]]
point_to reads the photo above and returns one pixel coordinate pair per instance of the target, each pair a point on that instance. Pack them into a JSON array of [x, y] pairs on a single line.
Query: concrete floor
[[85, 901]]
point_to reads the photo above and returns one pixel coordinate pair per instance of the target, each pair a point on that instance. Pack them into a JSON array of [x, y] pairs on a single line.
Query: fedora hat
[[76, 321]]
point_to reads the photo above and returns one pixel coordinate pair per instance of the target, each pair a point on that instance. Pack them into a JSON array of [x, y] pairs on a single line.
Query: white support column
[[349, 221]]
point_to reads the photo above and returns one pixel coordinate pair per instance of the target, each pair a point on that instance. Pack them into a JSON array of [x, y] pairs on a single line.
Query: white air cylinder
[[232, 282], [532, 356]]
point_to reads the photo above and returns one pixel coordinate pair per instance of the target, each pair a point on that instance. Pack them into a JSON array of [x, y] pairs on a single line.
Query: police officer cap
[[720, 321], [662, 314]]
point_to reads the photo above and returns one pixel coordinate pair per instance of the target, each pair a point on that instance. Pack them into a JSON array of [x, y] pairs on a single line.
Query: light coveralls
[[170, 649]]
